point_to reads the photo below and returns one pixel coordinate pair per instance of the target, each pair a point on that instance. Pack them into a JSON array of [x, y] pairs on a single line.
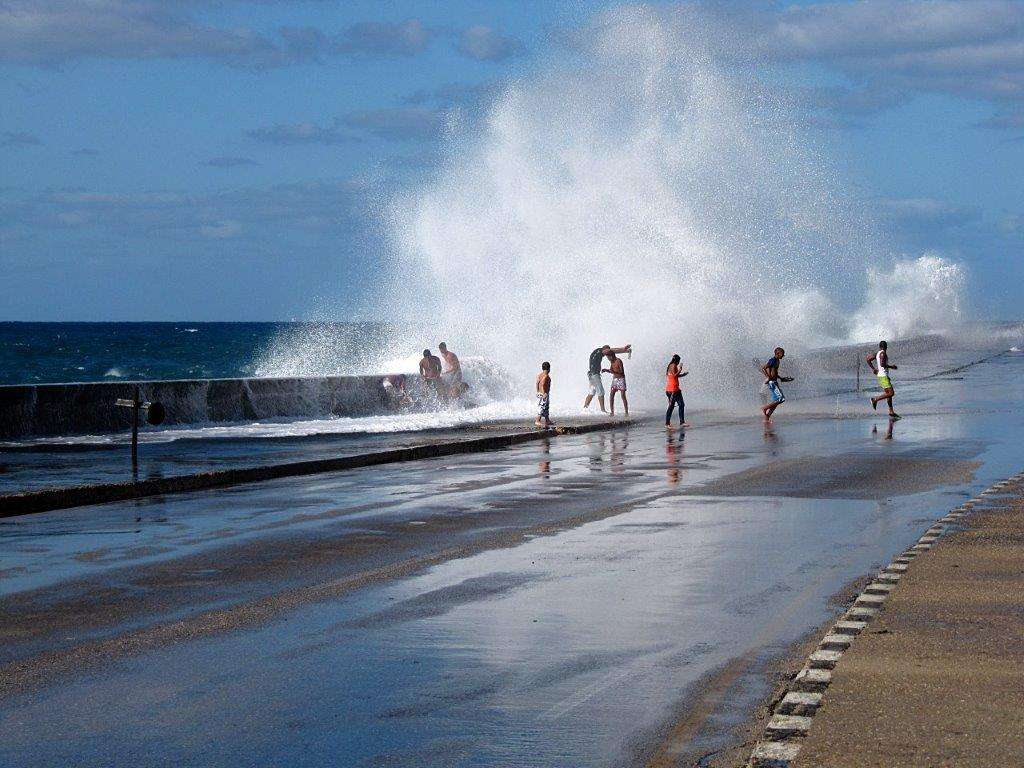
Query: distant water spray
[[644, 193]]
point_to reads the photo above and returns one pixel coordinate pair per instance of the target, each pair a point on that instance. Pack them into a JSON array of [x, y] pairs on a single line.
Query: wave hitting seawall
[[45, 410]]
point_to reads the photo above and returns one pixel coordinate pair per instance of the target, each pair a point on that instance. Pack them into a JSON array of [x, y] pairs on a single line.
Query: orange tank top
[[672, 382]]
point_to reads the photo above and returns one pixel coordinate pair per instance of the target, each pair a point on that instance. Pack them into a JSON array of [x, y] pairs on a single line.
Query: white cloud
[[487, 44]]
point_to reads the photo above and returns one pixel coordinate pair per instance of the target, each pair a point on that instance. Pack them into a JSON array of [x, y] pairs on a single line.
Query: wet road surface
[[550, 604]]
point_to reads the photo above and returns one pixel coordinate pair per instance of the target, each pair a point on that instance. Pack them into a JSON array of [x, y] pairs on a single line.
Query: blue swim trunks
[[775, 391]]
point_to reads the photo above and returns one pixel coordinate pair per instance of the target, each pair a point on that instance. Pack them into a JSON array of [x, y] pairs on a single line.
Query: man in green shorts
[[879, 363]]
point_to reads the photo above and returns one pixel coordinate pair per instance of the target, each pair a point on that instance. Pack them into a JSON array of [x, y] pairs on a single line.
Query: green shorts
[[884, 383]]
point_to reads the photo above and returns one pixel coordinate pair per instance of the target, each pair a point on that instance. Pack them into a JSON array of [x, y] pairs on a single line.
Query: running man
[[430, 370], [594, 373], [451, 373], [879, 363], [772, 379], [544, 396], [674, 393], [618, 372]]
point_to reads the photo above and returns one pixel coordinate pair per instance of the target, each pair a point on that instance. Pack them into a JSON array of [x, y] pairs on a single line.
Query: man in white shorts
[[618, 372], [594, 373]]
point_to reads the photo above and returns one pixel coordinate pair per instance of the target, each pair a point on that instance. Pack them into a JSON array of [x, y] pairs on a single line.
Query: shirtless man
[[594, 373], [879, 363], [544, 396], [430, 370], [772, 379], [618, 372], [451, 373]]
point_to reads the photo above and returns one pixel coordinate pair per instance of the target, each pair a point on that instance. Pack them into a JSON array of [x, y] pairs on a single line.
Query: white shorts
[[596, 387], [618, 384]]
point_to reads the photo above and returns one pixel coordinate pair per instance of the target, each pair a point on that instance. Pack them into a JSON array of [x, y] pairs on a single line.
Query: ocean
[[43, 353]]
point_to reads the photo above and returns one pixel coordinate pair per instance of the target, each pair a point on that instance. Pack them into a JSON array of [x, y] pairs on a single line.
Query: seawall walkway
[[936, 678]]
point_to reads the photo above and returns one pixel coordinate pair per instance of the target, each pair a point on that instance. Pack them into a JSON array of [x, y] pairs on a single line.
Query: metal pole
[[858, 372], [136, 407]]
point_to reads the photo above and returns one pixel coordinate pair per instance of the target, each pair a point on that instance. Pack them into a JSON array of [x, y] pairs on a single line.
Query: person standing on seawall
[[544, 396], [594, 373], [451, 373], [674, 393], [881, 366], [430, 370], [772, 379]]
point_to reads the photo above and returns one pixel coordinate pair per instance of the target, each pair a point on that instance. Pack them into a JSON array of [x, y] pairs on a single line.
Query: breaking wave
[[644, 191]]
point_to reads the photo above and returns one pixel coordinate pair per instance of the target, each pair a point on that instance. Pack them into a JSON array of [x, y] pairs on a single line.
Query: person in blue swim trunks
[[772, 378]]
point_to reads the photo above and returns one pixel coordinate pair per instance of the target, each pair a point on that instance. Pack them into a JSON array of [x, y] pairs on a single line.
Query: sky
[[230, 159]]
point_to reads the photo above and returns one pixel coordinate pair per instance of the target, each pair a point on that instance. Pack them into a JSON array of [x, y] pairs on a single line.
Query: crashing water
[[646, 186], [647, 192]]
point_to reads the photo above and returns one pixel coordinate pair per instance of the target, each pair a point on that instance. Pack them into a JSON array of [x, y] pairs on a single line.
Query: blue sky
[[225, 160]]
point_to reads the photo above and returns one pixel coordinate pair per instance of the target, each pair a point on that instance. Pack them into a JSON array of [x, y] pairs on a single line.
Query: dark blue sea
[[36, 353]]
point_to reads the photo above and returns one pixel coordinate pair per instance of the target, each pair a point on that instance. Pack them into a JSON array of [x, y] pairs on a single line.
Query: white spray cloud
[[641, 190], [914, 296], [645, 195]]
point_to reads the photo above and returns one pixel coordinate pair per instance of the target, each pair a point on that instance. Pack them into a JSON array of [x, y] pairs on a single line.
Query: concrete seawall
[[88, 408]]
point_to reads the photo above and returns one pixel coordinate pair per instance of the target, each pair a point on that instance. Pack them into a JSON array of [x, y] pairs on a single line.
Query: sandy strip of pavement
[[937, 679]]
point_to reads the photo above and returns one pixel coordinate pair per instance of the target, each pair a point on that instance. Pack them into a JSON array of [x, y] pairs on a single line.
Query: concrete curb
[[792, 717], [16, 504]]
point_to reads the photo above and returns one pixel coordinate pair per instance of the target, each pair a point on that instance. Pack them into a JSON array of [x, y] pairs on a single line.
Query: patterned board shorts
[[775, 392], [543, 405], [619, 384]]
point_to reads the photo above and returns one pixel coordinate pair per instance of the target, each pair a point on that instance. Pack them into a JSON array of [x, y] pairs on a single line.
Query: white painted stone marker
[[781, 726], [799, 702], [849, 627], [870, 601], [774, 754], [811, 679], [861, 613], [879, 588], [824, 659], [835, 642]]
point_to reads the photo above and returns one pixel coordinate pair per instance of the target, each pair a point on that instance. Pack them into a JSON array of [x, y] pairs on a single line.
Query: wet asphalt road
[[551, 604]]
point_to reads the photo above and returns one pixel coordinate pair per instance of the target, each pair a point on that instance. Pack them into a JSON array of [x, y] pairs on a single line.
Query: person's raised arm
[[871, 363], [620, 350]]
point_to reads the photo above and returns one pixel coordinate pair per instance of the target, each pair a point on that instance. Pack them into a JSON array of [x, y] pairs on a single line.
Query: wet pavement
[[555, 603], [50, 463]]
